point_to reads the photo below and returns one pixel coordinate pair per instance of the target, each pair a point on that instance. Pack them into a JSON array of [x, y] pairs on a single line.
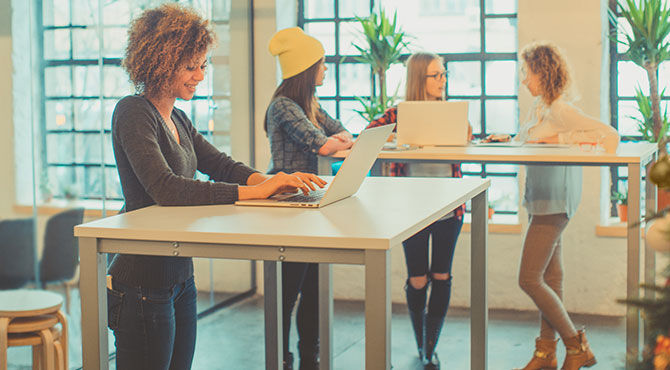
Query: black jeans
[[303, 278], [445, 234], [154, 327]]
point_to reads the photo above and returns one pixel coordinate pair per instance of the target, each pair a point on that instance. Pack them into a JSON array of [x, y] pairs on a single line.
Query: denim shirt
[[558, 189], [294, 140]]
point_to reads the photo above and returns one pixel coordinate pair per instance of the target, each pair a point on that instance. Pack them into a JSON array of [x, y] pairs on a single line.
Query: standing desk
[[631, 155], [358, 230]]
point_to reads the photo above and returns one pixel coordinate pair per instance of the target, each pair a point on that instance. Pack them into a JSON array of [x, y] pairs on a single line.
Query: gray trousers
[[541, 273]]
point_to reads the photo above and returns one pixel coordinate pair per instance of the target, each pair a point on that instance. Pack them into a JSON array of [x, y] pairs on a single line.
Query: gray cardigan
[[155, 169], [294, 139]]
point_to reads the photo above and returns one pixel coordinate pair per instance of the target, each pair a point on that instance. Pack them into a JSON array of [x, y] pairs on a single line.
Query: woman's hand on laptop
[[281, 183], [497, 138], [344, 136]]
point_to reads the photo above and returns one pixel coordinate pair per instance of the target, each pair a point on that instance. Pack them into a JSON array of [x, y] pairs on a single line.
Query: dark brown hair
[[162, 40], [547, 62], [301, 88]]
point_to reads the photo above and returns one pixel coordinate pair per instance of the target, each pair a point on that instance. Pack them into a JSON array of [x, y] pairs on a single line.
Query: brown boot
[[544, 357], [578, 353]]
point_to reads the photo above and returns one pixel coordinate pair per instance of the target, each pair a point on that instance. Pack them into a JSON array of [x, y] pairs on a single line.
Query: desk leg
[[479, 314], [274, 347], [325, 316], [633, 266], [377, 309], [93, 291]]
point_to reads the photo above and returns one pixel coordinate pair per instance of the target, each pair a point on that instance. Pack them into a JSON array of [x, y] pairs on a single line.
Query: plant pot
[[622, 211], [491, 212]]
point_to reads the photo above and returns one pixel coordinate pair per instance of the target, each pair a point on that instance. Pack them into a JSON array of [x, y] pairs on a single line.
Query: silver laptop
[[433, 123], [347, 181]]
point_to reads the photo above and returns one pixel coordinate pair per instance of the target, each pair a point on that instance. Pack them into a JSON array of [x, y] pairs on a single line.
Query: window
[[79, 80], [477, 39]]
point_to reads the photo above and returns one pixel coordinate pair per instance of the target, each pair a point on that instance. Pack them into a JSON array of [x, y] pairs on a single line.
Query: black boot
[[416, 302], [433, 329], [288, 361]]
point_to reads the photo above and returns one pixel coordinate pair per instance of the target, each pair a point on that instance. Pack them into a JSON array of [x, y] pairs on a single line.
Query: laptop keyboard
[[312, 197]]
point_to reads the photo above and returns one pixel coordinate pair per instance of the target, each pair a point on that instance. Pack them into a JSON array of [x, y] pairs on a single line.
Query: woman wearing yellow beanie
[[299, 130]]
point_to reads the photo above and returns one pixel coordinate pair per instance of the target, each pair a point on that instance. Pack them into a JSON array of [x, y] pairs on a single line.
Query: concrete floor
[[232, 338]]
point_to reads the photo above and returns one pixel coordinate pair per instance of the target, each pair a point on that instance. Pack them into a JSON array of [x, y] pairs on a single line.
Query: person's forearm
[[249, 192]]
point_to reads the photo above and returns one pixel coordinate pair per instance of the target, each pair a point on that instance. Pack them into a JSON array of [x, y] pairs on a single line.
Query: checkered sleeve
[[296, 125], [389, 117]]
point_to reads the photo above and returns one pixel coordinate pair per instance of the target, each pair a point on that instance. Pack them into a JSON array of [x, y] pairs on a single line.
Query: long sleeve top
[[155, 169], [558, 189], [390, 116], [294, 140]]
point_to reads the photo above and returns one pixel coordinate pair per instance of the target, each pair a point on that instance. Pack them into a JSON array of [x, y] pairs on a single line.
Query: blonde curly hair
[[547, 62], [162, 40]]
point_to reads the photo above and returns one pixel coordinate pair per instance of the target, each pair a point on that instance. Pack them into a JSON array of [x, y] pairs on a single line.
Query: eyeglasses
[[439, 75]]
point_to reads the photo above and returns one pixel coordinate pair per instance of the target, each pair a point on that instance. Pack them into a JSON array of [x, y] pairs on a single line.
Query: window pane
[[319, 8], [350, 119], [84, 12], [502, 116], [57, 44], [113, 184], [92, 181], [60, 148], [501, 78], [464, 78], [354, 79], [627, 113], [114, 42], [57, 81], [221, 10], [329, 106], [222, 113], [501, 35], [329, 81], [109, 150], [116, 82], [395, 81], [86, 81], [351, 33], [471, 167], [502, 168], [664, 78], [87, 148], [324, 32], [87, 114], [504, 193], [631, 76], [455, 32], [110, 104], [60, 178], [204, 88], [204, 113], [351, 8], [623, 29], [221, 75], [56, 12], [474, 114], [116, 13], [58, 114], [500, 6]]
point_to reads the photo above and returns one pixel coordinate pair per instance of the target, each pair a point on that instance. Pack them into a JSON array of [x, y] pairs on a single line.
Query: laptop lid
[[433, 123], [349, 178]]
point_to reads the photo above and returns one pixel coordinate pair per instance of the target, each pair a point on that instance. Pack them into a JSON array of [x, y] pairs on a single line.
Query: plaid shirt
[[400, 169], [294, 140]]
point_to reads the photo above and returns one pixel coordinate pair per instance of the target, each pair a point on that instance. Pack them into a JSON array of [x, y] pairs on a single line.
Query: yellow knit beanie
[[297, 51]]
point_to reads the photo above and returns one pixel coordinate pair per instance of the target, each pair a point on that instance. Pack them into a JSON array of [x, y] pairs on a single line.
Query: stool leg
[[58, 347], [37, 351], [4, 324], [63, 337], [47, 349]]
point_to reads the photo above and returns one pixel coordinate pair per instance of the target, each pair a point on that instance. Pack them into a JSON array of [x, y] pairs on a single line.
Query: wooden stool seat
[[31, 324], [31, 318]]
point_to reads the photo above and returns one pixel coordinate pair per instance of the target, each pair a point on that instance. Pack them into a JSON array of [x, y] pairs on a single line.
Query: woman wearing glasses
[[426, 80]]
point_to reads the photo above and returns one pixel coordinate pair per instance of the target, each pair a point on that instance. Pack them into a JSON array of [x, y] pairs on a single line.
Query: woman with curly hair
[[551, 197], [152, 299]]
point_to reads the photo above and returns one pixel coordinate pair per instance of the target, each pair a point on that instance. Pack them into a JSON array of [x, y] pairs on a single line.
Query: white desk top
[[627, 153], [383, 213]]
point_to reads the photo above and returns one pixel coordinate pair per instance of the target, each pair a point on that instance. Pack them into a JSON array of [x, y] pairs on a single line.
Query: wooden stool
[[35, 312]]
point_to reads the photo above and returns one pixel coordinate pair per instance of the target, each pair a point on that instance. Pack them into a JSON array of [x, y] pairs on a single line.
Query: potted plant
[[647, 45], [383, 45], [621, 199]]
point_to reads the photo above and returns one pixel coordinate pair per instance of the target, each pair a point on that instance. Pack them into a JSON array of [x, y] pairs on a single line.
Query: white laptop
[[433, 123], [347, 181]]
